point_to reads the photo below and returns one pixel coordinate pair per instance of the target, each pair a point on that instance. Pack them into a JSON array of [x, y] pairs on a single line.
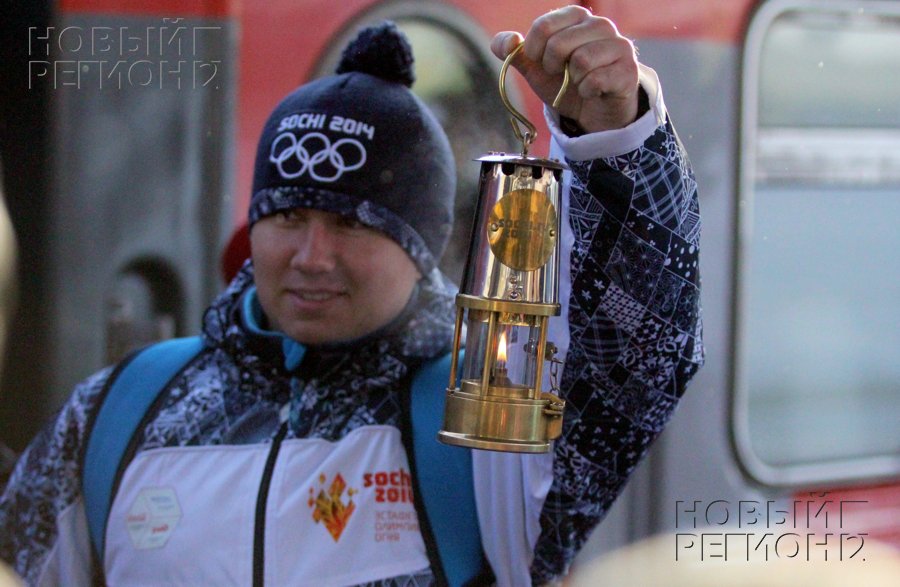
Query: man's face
[[322, 278]]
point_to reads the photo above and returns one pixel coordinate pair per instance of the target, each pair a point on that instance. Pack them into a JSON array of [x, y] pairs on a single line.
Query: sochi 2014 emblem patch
[[329, 507]]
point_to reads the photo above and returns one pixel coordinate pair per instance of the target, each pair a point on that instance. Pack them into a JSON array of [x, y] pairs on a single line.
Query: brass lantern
[[508, 294]]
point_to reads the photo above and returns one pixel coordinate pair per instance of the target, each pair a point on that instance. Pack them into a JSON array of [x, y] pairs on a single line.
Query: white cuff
[[610, 143]]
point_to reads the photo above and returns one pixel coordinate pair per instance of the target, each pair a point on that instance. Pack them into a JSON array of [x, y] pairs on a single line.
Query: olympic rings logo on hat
[[286, 147]]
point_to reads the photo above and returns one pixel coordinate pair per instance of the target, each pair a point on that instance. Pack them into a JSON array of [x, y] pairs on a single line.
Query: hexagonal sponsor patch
[[153, 517]]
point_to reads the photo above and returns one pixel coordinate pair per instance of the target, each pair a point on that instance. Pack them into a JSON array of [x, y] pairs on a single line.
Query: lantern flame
[[501, 350]]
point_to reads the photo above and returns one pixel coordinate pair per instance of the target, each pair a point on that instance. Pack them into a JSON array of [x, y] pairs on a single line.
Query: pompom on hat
[[360, 144]]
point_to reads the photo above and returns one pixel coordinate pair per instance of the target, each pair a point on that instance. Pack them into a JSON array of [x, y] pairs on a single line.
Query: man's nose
[[314, 250]]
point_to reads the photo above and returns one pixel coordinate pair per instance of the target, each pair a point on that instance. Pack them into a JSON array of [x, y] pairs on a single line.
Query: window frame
[[837, 471]]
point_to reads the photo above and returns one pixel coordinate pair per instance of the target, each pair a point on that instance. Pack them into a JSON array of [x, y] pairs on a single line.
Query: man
[[280, 454]]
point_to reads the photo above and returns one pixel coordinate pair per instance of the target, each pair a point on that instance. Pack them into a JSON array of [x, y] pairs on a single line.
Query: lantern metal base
[[467, 441], [501, 424]]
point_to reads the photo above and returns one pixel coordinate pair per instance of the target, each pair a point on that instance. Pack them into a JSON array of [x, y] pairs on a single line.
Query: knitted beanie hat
[[362, 145]]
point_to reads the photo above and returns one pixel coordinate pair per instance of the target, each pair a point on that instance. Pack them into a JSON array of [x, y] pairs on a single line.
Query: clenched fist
[[603, 66]]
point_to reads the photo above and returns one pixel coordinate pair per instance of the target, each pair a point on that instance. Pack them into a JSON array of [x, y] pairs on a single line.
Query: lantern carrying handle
[[530, 134]]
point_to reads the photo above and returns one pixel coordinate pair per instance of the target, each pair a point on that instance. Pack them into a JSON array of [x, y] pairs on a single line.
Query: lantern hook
[[530, 133]]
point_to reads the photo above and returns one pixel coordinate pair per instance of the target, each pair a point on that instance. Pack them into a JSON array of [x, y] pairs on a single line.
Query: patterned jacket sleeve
[[43, 531], [635, 331]]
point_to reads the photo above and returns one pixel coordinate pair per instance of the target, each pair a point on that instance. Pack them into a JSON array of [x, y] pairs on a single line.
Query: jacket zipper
[[262, 499]]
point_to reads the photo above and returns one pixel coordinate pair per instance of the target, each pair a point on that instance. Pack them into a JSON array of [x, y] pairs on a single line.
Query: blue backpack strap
[[127, 400], [445, 477]]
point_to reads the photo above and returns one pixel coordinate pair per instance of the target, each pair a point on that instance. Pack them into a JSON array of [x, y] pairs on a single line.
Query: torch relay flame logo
[[329, 507]]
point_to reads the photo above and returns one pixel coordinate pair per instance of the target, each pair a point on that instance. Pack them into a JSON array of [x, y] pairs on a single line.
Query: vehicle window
[[817, 377]]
